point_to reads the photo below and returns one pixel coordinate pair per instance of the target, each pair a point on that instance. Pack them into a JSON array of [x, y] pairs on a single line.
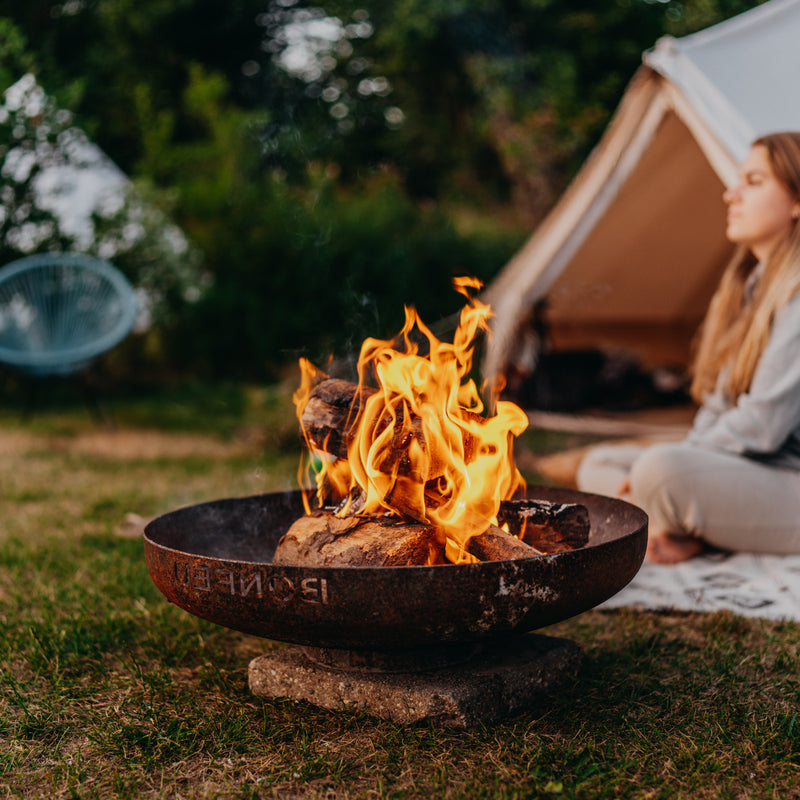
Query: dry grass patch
[[131, 444]]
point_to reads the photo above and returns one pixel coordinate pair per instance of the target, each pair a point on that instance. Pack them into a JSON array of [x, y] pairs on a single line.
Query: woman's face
[[761, 211]]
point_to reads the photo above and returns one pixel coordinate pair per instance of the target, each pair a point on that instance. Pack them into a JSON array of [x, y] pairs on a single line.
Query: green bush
[[313, 273]]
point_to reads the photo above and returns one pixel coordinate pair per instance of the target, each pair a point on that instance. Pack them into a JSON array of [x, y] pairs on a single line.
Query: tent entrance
[[641, 281]]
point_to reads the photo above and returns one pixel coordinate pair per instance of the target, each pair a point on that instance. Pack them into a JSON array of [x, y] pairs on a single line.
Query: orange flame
[[422, 448]]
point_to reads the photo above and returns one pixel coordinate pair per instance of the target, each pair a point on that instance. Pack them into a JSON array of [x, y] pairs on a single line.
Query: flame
[[423, 448]]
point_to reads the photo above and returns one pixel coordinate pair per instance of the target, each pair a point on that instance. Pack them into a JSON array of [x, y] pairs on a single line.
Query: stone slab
[[499, 682]]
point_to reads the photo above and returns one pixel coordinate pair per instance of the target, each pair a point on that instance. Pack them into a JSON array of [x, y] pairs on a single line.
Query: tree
[[43, 153]]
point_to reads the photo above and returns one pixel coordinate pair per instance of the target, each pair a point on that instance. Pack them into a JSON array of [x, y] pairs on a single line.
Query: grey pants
[[729, 501]]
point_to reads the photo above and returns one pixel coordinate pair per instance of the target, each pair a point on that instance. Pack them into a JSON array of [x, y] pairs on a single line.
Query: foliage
[[112, 49], [507, 98], [328, 161], [42, 151], [332, 268], [281, 250], [34, 137]]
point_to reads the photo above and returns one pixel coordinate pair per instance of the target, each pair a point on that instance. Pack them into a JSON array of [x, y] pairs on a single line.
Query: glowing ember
[[419, 447]]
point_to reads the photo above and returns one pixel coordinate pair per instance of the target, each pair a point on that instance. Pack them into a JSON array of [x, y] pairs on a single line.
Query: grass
[[107, 691]]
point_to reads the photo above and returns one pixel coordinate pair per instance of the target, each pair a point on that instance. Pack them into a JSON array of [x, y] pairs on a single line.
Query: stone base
[[492, 685]]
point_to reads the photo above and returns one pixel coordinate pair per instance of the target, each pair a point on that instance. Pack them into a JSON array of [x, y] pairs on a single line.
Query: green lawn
[[110, 692]]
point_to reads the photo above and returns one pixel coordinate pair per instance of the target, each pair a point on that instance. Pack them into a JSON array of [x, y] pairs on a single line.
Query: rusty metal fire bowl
[[214, 561]]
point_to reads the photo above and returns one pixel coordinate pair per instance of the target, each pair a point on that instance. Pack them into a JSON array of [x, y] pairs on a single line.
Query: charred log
[[549, 527], [497, 545], [330, 414], [333, 408], [323, 539]]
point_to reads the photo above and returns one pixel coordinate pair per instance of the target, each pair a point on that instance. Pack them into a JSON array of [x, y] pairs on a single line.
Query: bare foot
[[665, 548]]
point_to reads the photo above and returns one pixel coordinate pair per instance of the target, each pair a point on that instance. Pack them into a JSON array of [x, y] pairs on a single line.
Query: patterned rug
[[745, 584]]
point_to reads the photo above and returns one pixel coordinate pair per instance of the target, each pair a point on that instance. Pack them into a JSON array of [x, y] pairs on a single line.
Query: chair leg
[[31, 402], [31, 387], [92, 401], [12, 382]]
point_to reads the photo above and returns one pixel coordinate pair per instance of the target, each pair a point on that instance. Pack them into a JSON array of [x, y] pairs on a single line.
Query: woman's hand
[[624, 491]]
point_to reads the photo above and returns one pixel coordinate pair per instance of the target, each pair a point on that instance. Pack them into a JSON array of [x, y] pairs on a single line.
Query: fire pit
[[408, 642], [411, 585]]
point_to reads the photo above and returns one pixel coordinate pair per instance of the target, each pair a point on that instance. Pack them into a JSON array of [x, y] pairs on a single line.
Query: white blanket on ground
[[747, 585]]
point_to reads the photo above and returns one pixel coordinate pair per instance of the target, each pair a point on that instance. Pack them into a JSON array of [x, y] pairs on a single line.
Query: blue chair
[[61, 311]]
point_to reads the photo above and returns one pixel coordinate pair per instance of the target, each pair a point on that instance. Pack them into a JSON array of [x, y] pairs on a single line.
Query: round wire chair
[[60, 311]]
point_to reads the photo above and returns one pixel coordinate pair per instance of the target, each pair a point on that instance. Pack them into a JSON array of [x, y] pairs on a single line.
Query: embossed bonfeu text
[[248, 582]]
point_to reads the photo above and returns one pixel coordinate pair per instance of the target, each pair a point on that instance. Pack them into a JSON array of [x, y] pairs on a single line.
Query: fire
[[421, 446]]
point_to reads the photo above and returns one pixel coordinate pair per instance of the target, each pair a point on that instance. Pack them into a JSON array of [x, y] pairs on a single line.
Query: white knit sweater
[[764, 423]]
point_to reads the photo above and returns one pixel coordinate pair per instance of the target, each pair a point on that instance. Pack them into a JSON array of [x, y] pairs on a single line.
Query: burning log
[[333, 407], [550, 527], [323, 539], [329, 417]]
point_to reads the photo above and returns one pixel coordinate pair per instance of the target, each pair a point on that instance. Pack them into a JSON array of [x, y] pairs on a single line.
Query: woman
[[734, 481]]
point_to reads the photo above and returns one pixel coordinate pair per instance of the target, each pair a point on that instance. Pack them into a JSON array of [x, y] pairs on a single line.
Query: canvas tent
[[628, 258]]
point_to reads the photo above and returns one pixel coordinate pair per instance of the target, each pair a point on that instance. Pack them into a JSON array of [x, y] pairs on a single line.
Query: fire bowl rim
[[591, 545], [519, 595]]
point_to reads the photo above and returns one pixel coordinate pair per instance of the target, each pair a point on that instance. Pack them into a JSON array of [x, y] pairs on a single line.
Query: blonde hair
[[736, 328]]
